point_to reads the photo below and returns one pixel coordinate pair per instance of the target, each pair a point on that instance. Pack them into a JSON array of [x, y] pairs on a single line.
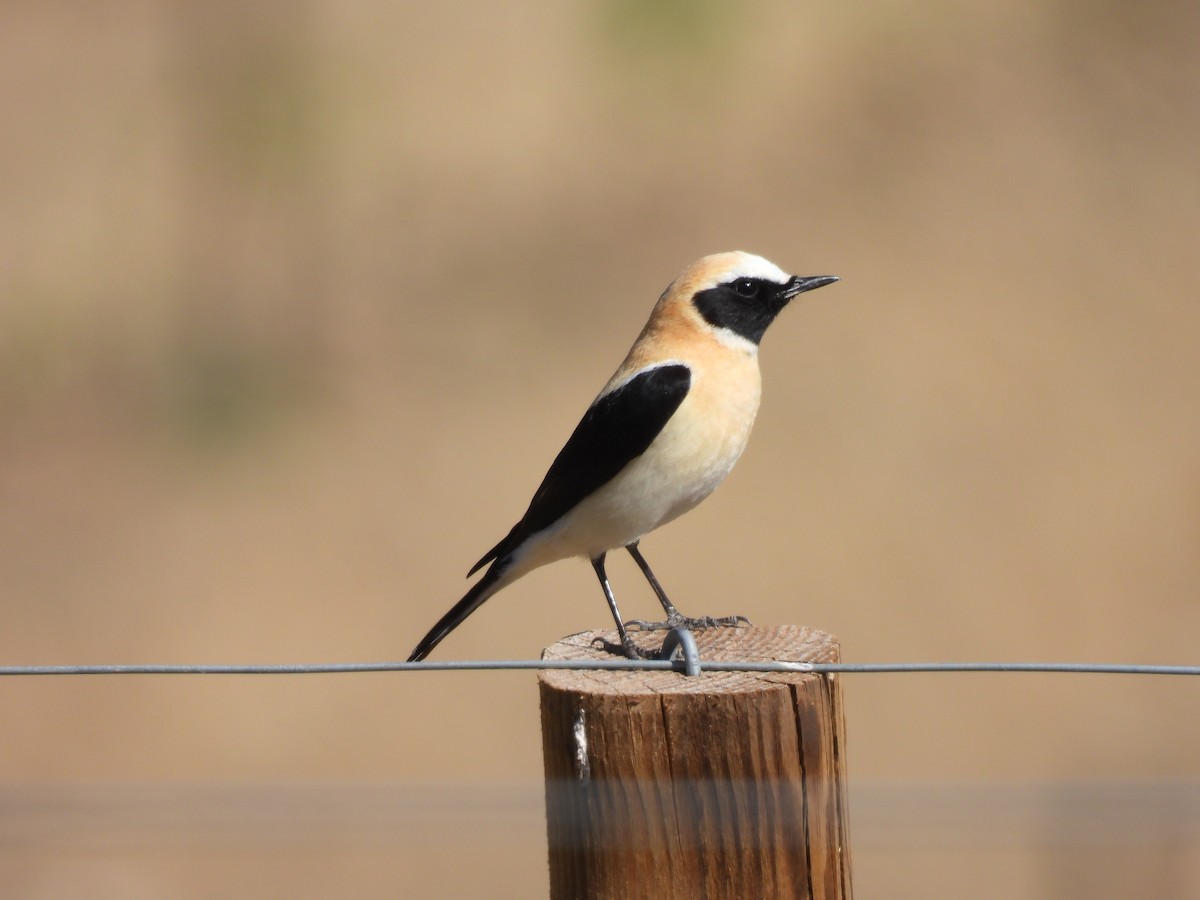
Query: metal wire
[[607, 665]]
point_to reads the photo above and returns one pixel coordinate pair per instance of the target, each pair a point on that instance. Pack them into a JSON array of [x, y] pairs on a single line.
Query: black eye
[[746, 287]]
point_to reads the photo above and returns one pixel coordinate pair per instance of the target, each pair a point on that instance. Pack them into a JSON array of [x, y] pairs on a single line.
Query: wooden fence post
[[721, 785]]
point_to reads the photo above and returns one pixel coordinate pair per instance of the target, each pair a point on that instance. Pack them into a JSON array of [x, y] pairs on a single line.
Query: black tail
[[484, 588]]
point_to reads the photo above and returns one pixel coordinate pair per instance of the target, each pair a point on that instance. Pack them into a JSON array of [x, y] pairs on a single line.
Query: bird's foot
[[677, 620], [627, 648]]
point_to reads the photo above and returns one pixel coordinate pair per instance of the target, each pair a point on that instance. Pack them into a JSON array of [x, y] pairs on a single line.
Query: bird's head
[[741, 293]]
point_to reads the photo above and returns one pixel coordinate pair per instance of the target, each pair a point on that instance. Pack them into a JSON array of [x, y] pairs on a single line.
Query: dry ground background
[[298, 300]]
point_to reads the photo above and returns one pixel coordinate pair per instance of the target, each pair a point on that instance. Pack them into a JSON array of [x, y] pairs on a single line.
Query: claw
[[676, 620], [627, 648], [643, 625]]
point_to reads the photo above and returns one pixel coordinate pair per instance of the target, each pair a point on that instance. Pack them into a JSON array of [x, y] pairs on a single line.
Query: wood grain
[[714, 786]]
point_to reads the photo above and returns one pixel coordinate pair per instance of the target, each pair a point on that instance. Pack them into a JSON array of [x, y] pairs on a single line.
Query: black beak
[[799, 285]]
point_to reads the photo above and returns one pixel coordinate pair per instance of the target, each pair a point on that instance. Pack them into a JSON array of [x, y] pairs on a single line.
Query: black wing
[[617, 428]]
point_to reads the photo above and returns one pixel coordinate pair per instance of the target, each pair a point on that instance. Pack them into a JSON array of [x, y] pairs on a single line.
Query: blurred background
[[299, 300]]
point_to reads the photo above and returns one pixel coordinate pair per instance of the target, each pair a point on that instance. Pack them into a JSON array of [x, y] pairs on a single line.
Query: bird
[[659, 437]]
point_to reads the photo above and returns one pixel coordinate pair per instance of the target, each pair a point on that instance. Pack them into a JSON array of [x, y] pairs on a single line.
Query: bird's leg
[[667, 605], [628, 647], [674, 619]]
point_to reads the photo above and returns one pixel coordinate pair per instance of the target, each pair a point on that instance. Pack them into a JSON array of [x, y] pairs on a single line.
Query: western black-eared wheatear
[[662, 434]]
